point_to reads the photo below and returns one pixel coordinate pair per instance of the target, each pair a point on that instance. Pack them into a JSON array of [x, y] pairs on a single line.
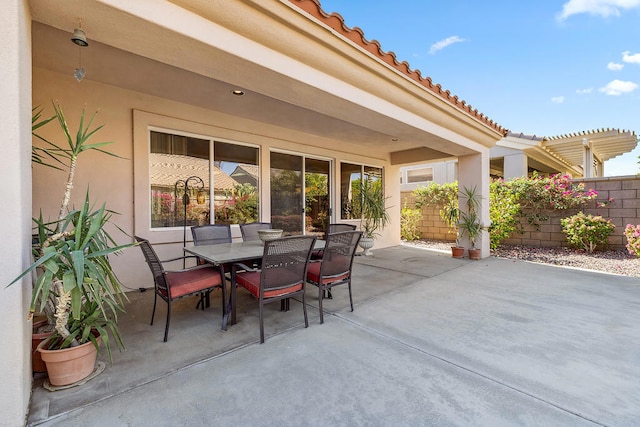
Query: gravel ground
[[613, 261]]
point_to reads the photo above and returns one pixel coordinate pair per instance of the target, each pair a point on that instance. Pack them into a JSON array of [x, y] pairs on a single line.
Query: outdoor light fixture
[[79, 38]]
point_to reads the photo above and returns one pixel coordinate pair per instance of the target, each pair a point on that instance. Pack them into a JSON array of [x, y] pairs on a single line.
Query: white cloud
[[630, 58], [618, 87], [446, 42], [614, 66], [584, 91], [604, 8], [557, 99]]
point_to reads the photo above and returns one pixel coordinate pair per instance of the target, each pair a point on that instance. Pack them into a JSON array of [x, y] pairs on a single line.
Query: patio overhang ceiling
[[301, 76], [539, 158], [606, 144]]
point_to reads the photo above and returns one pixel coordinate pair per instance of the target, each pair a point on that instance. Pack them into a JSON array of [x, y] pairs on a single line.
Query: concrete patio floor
[[432, 341]]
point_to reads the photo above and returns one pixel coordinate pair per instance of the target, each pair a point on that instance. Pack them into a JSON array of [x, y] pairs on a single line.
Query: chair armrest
[[178, 258], [197, 267], [240, 266]]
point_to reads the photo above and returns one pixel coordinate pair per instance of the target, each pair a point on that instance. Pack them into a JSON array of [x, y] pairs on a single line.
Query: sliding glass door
[[299, 194]]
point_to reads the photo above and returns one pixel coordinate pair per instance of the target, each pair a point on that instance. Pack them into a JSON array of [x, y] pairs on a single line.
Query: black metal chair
[[173, 285], [250, 231], [211, 234], [282, 276], [332, 228], [336, 265]]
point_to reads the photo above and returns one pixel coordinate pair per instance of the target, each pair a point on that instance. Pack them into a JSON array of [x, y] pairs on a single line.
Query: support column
[[587, 158], [15, 211], [473, 171], [515, 166]]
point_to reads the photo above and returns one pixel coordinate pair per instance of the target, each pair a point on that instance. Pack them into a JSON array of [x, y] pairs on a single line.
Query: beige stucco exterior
[[308, 90]]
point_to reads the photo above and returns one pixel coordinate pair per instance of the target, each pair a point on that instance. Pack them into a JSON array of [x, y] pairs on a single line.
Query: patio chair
[[211, 234], [282, 276], [250, 231], [332, 228], [173, 285], [335, 266]]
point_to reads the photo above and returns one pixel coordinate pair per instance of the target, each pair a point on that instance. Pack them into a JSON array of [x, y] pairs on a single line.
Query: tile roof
[[166, 169], [356, 35]]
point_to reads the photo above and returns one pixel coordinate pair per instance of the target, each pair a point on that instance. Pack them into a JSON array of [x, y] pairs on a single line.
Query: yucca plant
[[75, 280]]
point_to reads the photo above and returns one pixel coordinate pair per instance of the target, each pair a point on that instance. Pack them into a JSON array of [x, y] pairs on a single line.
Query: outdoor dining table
[[225, 254]]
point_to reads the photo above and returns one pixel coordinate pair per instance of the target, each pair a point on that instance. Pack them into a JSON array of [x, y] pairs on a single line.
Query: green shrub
[[409, 221], [587, 231], [504, 212]]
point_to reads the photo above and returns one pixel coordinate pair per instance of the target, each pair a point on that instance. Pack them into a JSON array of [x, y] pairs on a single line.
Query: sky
[[540, 67]]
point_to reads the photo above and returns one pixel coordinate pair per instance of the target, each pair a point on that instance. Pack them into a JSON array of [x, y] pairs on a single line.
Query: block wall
[[622, 210]]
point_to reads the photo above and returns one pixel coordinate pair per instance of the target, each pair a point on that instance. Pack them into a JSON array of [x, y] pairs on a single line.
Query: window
[[236, 178], [180, 175], [419, 175], [176, 161], [351, 176]]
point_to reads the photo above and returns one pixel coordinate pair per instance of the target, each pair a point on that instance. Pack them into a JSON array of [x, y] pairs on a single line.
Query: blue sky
[[543, 67]]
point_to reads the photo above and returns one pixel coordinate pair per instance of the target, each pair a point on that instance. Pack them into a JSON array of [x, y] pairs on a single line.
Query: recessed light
[[394, 139], [237, 92]]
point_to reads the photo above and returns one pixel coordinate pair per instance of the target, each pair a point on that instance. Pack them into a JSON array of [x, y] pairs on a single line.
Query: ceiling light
[[79, 38], [237, 92]]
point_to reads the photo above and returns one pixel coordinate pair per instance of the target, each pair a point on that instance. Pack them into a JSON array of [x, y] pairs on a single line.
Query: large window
[[351, 179], [180, 174]]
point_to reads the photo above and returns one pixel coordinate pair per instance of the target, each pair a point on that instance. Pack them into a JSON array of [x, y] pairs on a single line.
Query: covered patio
[[432, 341], [281, 79]]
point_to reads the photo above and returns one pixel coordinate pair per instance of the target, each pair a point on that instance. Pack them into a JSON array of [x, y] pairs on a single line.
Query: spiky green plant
[[74, 275]]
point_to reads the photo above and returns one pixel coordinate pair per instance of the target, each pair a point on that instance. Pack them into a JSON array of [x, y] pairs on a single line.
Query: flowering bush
[[632, 233], [541, 193], [409, 220], [587, 231]]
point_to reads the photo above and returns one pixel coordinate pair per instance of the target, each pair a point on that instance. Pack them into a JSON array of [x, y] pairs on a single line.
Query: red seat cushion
[[313, 274], [250, 280], [188, 282]]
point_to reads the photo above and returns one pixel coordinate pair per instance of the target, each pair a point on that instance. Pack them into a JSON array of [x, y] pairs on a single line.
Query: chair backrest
[[212, 234], [338, 253], [285, 261], [336, 228], [250, 231], [154, 263]]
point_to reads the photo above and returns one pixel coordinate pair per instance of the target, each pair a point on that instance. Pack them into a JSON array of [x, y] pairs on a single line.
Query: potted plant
[[75, 280], [469, 222], [450, 214], [374, 215]]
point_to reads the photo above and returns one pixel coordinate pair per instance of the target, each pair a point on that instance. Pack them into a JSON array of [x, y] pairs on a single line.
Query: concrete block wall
[[431, 227], [623, 210]]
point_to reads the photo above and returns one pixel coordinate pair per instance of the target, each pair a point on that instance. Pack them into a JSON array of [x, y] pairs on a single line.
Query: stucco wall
[[623, 210], [112, 179], [15, 209]]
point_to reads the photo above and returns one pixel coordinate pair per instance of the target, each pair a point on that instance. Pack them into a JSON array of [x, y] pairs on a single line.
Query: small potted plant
[[374, 213], [469, 222], [75, 280]]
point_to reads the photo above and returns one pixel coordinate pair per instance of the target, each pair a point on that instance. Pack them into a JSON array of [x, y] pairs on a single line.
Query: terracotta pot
[[474, 254], [70, 365], [457, 251], [36, 338]]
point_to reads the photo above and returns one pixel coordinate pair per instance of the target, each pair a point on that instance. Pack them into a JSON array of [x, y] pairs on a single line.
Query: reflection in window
[[176, 159], [236, 189], [173, 160], [351, 176], [286, 193]]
